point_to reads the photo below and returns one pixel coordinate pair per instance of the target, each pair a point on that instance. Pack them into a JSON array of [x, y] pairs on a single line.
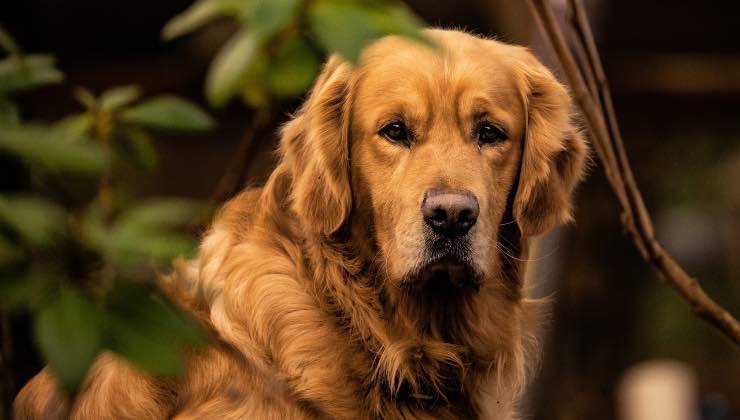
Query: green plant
[[278, 45], [74, 250], [81, 255], [276, 51]]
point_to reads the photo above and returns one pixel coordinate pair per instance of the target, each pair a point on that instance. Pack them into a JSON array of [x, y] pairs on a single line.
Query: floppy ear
[[315, 145], [554, 153]]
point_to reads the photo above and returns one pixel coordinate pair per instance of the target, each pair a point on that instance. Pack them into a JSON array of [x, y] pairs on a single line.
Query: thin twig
[[584, 60], [582, 27], [580, 92], [598, 112], [593, 72]]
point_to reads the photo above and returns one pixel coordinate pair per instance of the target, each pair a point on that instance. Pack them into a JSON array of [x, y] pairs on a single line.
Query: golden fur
[[308, 282]]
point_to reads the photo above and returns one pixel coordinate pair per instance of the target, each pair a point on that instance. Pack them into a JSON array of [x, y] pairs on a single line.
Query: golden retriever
[[376, 274]]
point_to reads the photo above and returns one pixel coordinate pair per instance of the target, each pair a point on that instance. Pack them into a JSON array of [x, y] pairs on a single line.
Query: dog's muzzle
[[450, 213]]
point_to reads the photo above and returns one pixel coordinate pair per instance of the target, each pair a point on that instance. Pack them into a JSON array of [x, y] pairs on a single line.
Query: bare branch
[[586, 38], [598, 111], [580, 92], [584, 59]]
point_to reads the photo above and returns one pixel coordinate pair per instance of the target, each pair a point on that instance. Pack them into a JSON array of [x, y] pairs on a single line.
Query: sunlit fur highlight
[[301, 282]]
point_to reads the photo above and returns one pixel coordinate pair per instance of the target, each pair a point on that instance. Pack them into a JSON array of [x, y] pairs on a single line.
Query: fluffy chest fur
[[313, 315]]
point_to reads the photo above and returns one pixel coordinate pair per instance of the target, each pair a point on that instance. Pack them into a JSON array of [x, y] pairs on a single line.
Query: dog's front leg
[[112, 390]]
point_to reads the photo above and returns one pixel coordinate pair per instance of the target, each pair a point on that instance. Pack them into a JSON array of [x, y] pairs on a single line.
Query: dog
[[377, 273]]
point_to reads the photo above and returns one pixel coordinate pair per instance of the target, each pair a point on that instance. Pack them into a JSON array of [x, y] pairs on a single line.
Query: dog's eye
[[395, 132], [490, 134]]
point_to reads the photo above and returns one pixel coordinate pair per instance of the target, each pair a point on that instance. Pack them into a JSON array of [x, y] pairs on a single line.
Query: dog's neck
[[408, 354], [423, 350]]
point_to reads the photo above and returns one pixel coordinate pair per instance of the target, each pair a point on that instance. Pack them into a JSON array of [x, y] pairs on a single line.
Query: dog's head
[[429, 150]]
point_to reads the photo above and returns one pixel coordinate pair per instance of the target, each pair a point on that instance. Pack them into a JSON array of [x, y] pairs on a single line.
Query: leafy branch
[[80, 256], [276, 51], [591, 91], [82, 259], [278, 45]]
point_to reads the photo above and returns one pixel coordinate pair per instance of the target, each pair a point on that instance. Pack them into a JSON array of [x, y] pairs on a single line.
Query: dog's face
[[428, 148], [436, 143]]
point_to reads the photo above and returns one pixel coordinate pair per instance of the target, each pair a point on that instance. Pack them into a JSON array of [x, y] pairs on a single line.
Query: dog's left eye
[[490, 134], [395, 132]]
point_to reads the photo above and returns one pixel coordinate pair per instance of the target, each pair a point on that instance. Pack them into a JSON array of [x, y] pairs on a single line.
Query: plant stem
[[598, 111]]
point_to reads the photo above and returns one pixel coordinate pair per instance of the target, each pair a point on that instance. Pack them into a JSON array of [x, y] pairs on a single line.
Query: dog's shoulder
[[238, 214]]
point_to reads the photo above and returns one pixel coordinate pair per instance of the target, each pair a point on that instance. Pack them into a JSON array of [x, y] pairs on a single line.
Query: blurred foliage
[[278, 45], [85, 268], [84, 264]]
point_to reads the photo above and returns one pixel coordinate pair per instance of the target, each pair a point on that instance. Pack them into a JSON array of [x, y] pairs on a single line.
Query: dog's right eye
[[395, 132]]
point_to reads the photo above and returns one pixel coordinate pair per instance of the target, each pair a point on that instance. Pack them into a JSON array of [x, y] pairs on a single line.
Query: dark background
[[674, 67]]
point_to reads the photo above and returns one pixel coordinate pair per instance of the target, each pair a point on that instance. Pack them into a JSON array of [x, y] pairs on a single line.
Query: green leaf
[[30, 290], [94, 232], [8, 43], [195, 16], [271, 16], [147, 233], [26, 72], [9, 252], [168, 112], [344, 28], [147, 351], [347, 27], [254, 91], [9, 114], [149, 331], [397, 19], [74, 127], [85, 97], [228, 67], [134, 145], [255, 94], [56, 150], [127, 247], [118, 97], [69, 334], [37, 220], [164, 212], [293, 69]]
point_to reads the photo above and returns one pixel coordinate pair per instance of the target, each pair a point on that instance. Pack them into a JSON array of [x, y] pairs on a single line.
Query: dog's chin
[[444, 274]]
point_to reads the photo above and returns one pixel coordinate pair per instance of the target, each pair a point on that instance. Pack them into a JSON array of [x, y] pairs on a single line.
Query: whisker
[[507, 252]]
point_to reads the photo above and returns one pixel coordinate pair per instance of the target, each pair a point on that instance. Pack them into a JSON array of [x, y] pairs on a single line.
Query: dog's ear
[[554, 152], [315, 145]]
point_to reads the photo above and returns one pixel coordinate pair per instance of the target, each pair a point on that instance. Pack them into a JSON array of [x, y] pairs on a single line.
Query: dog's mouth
[[449, 270], [445, 273]]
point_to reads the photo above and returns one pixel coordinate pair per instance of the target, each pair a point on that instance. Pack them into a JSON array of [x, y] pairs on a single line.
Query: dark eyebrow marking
[[480, 107], [479, 115]]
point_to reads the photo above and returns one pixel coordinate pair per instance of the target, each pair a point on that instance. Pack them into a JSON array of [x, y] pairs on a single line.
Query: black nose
[[450, 213]]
